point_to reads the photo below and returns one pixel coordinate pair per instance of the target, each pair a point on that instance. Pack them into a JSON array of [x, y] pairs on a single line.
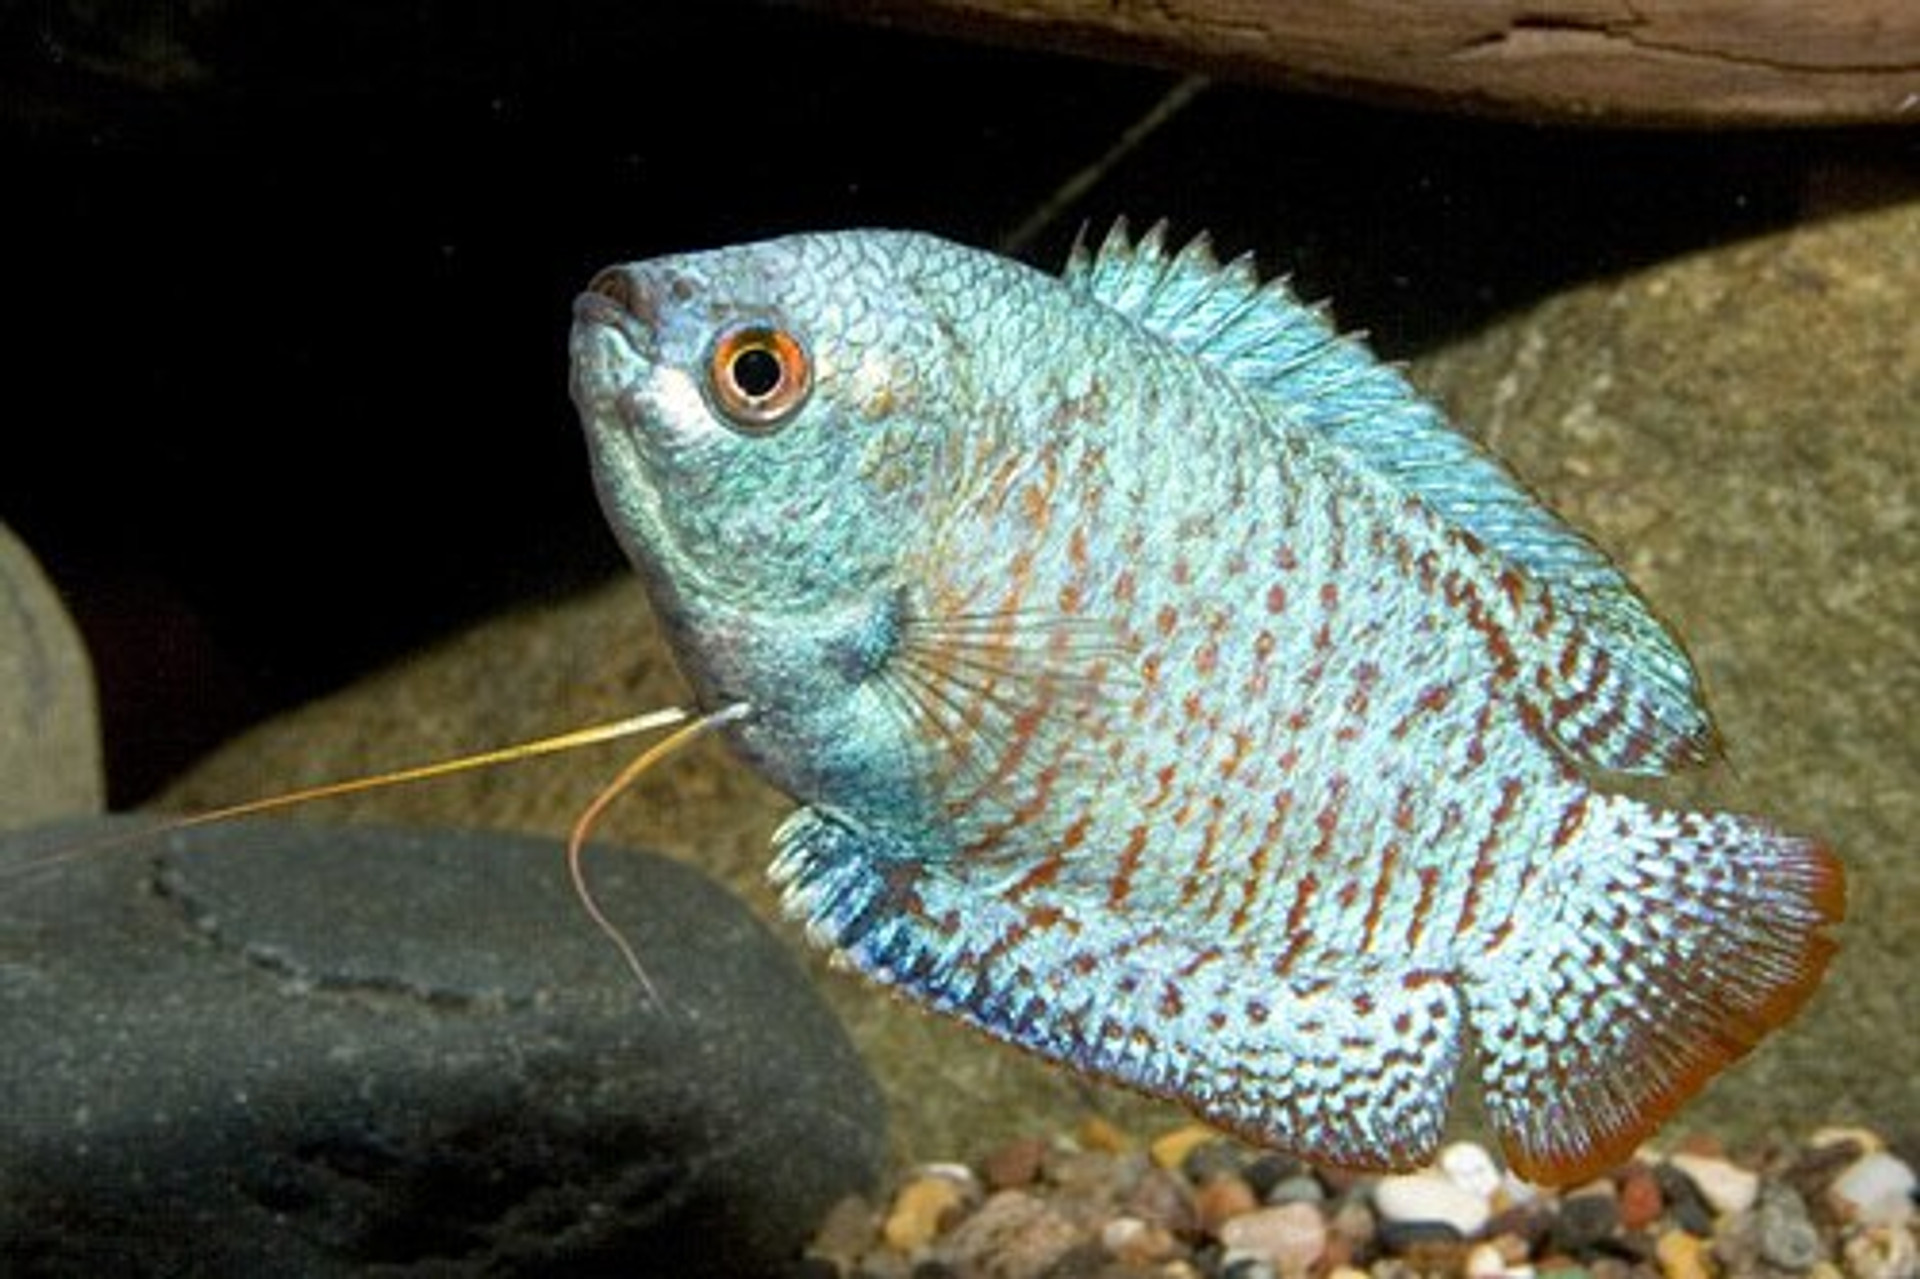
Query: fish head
[[755, 417], [762, 421]]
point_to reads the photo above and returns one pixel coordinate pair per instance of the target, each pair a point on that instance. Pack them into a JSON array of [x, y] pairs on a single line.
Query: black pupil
[[756, 372]]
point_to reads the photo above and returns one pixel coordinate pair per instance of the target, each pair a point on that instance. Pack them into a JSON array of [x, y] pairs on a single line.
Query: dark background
[[287, 284]]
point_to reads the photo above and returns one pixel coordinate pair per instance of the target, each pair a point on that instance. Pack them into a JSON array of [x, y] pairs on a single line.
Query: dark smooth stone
[[301, 1050], [1584, 1224]]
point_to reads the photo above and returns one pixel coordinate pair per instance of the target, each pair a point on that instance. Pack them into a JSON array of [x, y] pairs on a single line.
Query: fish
[[1168, 689]]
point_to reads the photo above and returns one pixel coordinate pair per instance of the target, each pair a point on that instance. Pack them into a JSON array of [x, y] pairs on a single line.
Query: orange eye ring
[[758, 376]]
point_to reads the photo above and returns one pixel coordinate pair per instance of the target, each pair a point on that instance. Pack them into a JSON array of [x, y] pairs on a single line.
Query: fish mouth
[[610, 342]]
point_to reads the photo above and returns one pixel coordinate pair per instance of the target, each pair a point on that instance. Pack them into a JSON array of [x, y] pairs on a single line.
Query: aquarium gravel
[[1189, 1204]]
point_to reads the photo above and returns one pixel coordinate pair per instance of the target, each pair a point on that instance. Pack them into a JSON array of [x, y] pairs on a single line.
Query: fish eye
[[758, 376]]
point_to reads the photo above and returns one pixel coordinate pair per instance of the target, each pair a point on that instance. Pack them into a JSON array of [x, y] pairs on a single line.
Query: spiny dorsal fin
[[1312, 376]]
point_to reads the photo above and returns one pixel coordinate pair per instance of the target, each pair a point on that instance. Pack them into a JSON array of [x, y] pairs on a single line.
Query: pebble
[[1292, 1237], [1423, 1197], [1814, 1170], [1097, 1133], [1787, 1238], [1243, 1268], [1641, 1202], [1013, 1235], [1725, 1186], [1531, 1223], [1015, 1164], [1684, 1202], [1513, 1249], [1269, 1171], [1215, 1158], [1351, 1230], [1682, 1256], [925, 1206], [1171, 1150], [1137, 1242], [1222, 1199], [1161, 1199], [1585, 1221], [1471, 1168], [1303, 1188], [1078, 1171], [1484, 1261], [1881, 1252], [1877, 1190], [1864, 1138], [1079, 1213]]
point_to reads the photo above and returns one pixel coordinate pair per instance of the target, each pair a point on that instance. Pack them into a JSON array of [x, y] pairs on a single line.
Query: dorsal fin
[[1313, 377]]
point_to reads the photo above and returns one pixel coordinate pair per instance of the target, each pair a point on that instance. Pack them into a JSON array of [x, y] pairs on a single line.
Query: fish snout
[[615, 337]]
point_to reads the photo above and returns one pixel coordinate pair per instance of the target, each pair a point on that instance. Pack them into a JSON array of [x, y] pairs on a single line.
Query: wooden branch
[[1673, 62]]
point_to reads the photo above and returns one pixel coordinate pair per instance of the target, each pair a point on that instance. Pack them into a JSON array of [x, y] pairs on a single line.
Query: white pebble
[[1471, 1168], [1485, 1262], [1876, 1190], [1725, 1187], [1430, 1196]]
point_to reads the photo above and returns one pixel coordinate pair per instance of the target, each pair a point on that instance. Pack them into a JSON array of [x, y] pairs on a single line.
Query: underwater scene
[[960, 640]]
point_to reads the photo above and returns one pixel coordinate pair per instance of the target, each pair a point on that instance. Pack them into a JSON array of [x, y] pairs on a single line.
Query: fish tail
[[1673, 942]]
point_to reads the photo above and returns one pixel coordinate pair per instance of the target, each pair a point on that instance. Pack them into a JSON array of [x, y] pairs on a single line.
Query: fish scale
[[1171, 692]]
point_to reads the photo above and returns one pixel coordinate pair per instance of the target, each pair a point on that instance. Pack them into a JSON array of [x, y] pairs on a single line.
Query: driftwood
[[1676, 62]]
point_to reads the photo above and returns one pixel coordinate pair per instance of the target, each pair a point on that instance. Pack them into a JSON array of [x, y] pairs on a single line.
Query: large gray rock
[[1738, 426], [274, 1049], [49, 727]]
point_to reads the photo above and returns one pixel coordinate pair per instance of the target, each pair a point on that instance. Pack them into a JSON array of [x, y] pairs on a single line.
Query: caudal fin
[[1669, 944]]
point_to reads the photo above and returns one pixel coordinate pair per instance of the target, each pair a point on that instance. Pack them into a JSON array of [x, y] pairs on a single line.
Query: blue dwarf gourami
[[1170, 691]]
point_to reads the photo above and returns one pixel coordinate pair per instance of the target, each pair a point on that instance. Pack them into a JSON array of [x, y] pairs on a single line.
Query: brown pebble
[[1221, 1200], [1436, 1256], [1640, 1200], [1101, 1134], [1015, 1164], [1170, 1150], [1012, 1234], [1353, 1227], [1161, 1199]]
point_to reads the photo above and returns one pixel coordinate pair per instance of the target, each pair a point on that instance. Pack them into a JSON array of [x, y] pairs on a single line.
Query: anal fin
[[1353, 1069]]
